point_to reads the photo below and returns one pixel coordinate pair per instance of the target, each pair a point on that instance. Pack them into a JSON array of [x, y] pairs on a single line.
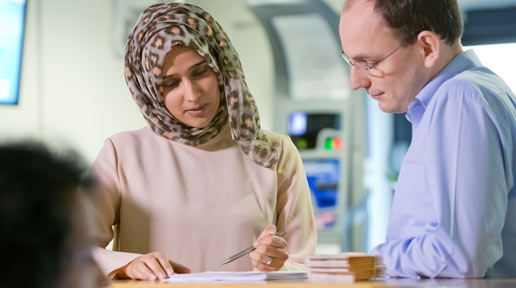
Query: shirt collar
[[463, 61]]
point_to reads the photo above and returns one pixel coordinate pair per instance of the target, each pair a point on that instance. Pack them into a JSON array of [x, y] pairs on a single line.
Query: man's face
[[365, 38]]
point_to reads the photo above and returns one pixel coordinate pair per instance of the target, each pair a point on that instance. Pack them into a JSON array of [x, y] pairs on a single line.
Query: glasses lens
[[362, 66], [375, 72]]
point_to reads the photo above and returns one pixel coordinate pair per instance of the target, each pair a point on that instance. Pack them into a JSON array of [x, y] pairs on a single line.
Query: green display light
[[328, 144]]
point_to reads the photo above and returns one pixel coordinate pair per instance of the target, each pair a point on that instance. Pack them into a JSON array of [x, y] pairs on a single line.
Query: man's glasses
[[368, 68]]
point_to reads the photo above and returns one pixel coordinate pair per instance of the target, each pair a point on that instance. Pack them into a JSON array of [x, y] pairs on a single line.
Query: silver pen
[[247, 250]]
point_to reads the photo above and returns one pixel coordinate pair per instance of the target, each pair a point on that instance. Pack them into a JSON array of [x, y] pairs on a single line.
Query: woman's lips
[[197, 111]]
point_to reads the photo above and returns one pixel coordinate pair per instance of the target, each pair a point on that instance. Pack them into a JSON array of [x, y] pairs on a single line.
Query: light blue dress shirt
[[454, 207]]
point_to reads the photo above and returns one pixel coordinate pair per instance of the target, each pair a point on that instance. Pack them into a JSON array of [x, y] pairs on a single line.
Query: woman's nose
[[191, 91]]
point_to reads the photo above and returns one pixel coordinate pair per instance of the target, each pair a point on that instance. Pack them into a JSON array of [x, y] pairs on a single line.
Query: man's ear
[[429, 47]]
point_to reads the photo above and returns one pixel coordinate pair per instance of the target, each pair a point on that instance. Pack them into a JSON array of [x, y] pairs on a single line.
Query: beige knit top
[[197, 204]]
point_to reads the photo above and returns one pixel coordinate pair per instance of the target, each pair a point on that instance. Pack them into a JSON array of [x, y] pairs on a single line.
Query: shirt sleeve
[[294, 207], [451, 198], [107, 209]]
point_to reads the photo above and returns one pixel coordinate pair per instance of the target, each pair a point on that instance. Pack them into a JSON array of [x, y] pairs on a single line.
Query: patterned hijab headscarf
[[158, 29]]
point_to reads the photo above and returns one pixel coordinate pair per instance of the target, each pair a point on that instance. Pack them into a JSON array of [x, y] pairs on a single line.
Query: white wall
[[73, 91]]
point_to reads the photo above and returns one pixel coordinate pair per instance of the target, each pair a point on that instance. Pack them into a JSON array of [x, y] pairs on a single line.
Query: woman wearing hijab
[[202, 181]]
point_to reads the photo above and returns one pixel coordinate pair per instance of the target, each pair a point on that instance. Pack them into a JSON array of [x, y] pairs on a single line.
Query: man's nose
[[358, 79], [191, 91]]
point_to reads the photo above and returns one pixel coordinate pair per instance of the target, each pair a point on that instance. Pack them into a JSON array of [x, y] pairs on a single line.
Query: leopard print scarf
[[158, 29]]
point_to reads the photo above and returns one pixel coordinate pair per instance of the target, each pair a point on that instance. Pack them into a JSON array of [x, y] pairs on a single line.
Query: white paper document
[[240, 276]]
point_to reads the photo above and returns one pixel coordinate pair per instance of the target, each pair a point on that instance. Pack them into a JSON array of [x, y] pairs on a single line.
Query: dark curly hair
[[37, 191]]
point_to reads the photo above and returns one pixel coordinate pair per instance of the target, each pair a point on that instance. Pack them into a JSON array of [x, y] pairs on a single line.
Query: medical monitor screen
[[303, 127], [12, 26]]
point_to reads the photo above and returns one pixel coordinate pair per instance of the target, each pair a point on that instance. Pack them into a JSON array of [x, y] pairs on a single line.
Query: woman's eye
[[201, 71], [170, 84]]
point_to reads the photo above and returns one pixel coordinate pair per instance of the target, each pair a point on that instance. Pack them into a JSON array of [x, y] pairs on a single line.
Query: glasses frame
[[368, 69]]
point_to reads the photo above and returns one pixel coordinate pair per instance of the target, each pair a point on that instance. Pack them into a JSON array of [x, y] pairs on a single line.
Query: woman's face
[[190, 87]]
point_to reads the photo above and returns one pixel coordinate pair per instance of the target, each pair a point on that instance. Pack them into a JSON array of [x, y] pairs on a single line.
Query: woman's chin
[[197, 123]]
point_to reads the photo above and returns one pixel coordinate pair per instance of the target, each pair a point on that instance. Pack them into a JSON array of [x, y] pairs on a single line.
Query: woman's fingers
[[165, 263], [267, 263], [153, 266], [262, 267], [264, 251], [268, 231], [139, 270], [180, 269], [152, 262], [279, 255], [274, 241], [268, 258], [271, 251]]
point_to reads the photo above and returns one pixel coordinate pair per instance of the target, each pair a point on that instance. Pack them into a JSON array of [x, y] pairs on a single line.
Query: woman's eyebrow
[[200, 63], [170, 76], [193, 67]]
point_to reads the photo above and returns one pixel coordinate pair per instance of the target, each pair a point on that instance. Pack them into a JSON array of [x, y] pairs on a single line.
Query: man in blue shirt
[[454, 207]]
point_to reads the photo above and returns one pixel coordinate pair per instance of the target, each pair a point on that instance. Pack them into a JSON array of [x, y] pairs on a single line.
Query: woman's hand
[[271, 251], [150, 266]]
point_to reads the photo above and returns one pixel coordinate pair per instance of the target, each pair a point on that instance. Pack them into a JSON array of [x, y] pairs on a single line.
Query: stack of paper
[[350, 266], [223, 276]]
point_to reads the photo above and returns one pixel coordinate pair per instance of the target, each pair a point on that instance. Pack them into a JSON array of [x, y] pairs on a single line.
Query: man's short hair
[[407, 18], [38, 192]]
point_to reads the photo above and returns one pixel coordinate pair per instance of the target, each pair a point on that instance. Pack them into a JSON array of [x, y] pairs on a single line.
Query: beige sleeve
[[294, 207], [107, 209]]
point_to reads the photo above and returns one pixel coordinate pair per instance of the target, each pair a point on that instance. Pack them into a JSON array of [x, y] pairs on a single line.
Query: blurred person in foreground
[[46, 223]]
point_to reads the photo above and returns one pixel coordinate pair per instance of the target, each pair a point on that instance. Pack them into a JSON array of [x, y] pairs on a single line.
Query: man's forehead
[[362, 30], [359, 19]]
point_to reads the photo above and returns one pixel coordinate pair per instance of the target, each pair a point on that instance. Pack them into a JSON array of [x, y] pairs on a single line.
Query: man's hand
[[150, 266], [271, 251]]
